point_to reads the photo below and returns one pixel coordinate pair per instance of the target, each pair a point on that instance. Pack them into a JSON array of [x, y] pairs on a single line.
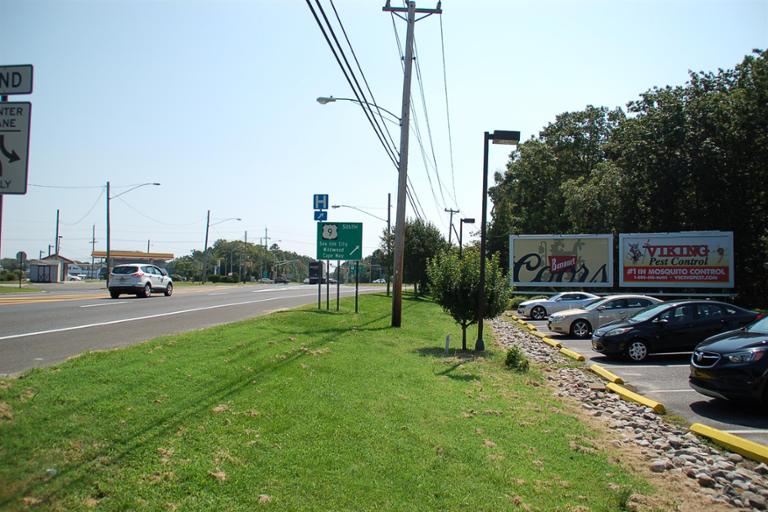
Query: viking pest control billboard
[[668, 260], [561, 260]]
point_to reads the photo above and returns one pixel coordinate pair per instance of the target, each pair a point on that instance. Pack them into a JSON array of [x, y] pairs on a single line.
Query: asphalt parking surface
[[664, 378]]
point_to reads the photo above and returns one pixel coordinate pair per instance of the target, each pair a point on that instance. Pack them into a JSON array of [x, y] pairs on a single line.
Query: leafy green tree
[[455, 285], [422, 242]]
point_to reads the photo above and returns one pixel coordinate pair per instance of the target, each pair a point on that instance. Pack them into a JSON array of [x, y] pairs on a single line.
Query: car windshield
[[124, 270], [596, 303], [761, 326], [647, 313]]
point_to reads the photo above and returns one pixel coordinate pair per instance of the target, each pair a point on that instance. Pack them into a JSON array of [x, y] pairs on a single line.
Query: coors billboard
[[683, 260], [561, 260]]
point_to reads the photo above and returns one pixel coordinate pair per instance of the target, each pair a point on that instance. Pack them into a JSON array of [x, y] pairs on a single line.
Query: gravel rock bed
[[726, 477]]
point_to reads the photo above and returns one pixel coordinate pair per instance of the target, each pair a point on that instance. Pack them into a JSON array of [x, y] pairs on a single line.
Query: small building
[[45, 271], [64, 264]]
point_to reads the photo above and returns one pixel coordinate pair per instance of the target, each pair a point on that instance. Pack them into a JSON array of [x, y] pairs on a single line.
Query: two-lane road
[[43, 329]]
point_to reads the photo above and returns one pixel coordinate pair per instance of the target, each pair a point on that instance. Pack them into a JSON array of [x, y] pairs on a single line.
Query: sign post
[[14, 132], [340, 241]]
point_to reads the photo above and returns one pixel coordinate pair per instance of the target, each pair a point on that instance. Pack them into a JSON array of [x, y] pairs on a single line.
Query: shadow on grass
[[464, 355]]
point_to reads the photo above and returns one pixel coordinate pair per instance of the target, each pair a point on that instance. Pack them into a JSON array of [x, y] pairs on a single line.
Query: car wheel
[[147, 291], [114, 295], [169, 290], [637, 350], [538, 313], [581, 329]]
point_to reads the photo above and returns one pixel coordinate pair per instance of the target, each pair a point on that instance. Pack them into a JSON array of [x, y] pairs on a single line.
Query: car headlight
[[746, 356], [620, 330]]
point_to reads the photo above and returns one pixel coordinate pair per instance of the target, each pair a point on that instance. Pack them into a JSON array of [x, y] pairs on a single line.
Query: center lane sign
[[340, 241]]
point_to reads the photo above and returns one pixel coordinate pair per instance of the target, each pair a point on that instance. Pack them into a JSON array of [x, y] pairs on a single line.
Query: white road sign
[[16, 79], [14, 146]]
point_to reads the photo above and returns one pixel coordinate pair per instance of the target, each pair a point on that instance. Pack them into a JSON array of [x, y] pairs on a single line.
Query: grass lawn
[[299, 410], [10, 288]]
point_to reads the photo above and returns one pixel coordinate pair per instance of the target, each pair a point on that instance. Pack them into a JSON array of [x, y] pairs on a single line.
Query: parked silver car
[[139, 279], [538, 309], [582, 321]]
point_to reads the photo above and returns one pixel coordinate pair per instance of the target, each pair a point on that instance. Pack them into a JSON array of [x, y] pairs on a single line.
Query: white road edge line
[[104, 304], [159, 315], [755, 431], [669, 391]]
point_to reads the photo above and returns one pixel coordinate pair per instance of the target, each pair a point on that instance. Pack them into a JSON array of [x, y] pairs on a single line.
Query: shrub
[[516, 360]]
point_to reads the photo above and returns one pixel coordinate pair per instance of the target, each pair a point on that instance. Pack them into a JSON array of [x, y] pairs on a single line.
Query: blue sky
[[216, 101]]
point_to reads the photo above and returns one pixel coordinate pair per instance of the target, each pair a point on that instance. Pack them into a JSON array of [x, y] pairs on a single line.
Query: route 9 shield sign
[[340, 241]]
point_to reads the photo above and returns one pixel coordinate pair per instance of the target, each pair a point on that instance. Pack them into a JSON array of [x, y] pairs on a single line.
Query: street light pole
[[204, 277], [498, 137], [450, 223], [461, 231], [389, 240]]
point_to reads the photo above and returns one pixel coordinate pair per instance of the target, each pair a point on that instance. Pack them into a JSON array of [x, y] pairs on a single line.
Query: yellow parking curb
[[610, 377], [539, 334], [572, 354], [745, 447], [531, 327], [634, 397], [551, 342]]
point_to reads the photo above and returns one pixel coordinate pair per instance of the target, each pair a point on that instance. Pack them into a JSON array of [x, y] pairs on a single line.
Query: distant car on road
[[675, 326], [380, 280], [266, 280], [580, 322], [734, 364], [139, 279], [73, 277], [282, 279], [538, 309]]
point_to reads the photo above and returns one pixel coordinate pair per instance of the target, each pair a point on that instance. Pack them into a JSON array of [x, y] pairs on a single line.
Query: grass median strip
[[299, 410]]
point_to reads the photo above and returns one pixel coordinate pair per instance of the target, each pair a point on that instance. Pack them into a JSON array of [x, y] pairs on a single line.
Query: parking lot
[[664, 378]]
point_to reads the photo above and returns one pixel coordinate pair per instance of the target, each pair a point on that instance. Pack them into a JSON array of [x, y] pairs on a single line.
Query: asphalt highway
[[664, 378], [41, 329]]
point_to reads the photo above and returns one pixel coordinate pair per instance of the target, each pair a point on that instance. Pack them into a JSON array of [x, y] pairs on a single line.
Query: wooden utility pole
[[397, 292]]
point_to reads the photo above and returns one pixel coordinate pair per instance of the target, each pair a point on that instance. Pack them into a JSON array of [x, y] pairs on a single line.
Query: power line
[[448, 114], [88, 212]]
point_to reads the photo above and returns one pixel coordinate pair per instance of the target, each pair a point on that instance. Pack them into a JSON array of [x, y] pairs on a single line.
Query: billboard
[[561, 260], [676, 260]]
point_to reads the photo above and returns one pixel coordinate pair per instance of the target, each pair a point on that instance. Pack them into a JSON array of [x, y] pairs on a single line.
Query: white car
[[539, 309], [139, 279], [581, 322]]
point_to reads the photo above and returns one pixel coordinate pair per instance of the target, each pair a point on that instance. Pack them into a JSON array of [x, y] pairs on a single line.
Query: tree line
[[685, 158]]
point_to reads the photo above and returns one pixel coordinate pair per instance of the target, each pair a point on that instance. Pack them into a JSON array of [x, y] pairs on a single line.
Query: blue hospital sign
[[320, 202]]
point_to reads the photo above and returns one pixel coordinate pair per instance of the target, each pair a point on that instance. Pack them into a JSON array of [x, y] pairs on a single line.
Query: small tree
[[455, 285]]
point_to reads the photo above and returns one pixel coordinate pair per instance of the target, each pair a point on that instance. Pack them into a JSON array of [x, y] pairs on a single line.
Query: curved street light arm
[[133, 188], [330, 99], [358, 209]]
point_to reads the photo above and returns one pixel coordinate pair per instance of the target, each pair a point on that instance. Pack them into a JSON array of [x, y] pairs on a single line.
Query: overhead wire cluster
[[367, 102]]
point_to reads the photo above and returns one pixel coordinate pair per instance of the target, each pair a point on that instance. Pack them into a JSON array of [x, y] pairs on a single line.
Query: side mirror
[[164, 272], [661, 321], [601, 308]]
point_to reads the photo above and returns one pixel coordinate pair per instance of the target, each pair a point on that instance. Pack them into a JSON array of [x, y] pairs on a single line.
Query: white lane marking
[[159, 315], [217, 293], [273, 290], [756, 431], [103, 304], [636, 366], [670, 391]]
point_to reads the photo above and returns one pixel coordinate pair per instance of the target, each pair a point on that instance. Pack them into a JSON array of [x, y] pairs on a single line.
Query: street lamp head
[[156, 184], [505, 137], [325, 99], [468, 221], [335, 206]]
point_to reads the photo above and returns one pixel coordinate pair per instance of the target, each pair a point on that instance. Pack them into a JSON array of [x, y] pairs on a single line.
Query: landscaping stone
[[726, 477]]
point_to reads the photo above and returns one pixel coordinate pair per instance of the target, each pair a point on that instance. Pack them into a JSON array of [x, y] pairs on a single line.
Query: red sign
[[560, 264]]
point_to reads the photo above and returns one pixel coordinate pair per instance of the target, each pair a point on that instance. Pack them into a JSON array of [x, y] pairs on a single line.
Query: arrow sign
[[353, 251], [12, 156], [321, 215]]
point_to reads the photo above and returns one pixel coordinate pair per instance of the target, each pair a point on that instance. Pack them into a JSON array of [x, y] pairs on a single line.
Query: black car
[[733, 365], [674, 326]]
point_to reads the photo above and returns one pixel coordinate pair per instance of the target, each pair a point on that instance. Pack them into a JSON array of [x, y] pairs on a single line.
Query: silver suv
[[139, 279]]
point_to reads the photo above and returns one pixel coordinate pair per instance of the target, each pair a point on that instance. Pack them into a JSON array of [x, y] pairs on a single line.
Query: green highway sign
[[340, 241]]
